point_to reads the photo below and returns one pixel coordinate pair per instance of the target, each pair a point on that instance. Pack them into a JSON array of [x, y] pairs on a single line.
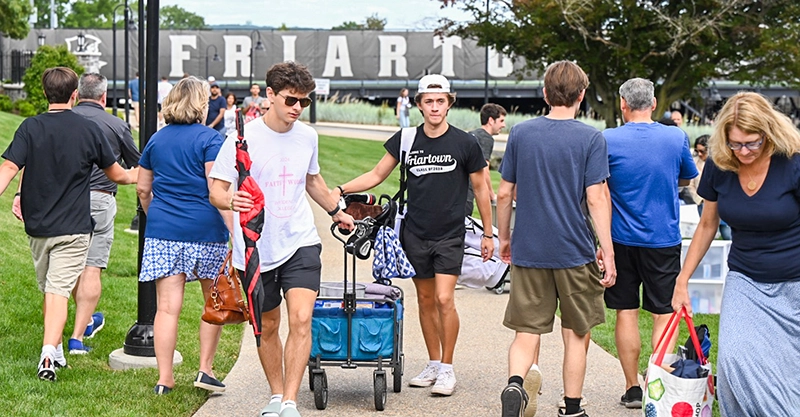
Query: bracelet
[[16, 194], [488, 237], [232, 204], [334, 211], [341, 190]]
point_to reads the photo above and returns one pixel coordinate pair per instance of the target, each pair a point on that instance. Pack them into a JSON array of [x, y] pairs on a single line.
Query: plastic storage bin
[[372, 336], [714, 265], [706, 297], [708, 280]]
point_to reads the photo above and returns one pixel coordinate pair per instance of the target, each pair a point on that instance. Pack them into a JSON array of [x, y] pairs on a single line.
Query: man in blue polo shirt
[[647, 161]]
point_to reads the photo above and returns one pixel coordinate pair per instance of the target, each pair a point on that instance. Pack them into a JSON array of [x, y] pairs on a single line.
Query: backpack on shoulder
[[407, 136]]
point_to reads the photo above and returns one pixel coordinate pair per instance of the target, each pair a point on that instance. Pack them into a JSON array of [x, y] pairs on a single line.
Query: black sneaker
[[632, 397], [47, 370], [562, 413], [208, 382], [514, 400]]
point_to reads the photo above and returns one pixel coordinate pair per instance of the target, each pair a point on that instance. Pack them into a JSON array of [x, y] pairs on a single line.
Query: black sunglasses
[[290, 101]]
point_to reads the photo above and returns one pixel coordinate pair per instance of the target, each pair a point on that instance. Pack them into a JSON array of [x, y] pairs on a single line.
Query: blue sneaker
[[76, 347], [98, 321], [162, 389], [208, 382]]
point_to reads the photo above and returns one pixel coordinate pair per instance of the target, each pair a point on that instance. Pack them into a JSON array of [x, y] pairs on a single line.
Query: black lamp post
[[258, 47], [127, 15], [215, 59], [40, 40], [81, 42], [486, 67], [139, 340]]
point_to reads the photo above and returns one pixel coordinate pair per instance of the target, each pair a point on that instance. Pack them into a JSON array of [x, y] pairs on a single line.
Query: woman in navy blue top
[[186, 237], [752, 181]]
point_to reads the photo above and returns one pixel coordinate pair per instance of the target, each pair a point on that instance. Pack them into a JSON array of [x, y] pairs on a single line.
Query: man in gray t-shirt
[[252, 103], [493, 120]]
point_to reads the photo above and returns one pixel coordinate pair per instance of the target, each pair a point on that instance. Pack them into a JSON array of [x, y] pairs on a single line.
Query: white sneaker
[[533, 387], [445, 383], [425, 378]]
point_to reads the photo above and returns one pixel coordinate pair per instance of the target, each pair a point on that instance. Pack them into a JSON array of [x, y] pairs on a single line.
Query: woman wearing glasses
[[752, 181]]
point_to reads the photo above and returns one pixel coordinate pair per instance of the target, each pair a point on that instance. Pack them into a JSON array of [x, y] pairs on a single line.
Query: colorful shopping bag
[[667, 395]]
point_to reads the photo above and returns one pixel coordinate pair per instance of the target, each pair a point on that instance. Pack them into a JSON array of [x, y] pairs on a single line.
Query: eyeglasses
[[291, 101], [754, 145], [700, 152]]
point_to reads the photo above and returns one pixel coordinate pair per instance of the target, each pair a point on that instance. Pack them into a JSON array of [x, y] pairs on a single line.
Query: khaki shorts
[[59, 261], [536, 293]]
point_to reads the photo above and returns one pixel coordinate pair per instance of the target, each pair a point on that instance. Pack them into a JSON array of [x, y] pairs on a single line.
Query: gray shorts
[[104, 209], [58, 261]]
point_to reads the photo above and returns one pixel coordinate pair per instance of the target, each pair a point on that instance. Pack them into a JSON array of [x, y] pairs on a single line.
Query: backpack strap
[[407, 136]]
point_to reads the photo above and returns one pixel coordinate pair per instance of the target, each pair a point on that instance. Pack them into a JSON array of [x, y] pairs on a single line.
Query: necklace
[[752, 184]]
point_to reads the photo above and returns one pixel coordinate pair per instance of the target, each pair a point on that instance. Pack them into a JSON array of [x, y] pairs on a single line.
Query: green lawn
[[90, 387]]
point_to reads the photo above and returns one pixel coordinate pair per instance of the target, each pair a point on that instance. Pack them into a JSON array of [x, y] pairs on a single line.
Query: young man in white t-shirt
[[164, 87], [285, 166]]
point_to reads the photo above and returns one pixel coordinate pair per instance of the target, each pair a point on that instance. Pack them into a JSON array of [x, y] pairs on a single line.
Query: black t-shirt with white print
[[438, 178]]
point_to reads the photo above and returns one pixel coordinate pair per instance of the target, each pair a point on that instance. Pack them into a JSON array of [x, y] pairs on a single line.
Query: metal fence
[[20, 62]]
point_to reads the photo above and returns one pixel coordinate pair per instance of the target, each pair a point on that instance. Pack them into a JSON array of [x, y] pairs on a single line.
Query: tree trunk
[[607, 108]]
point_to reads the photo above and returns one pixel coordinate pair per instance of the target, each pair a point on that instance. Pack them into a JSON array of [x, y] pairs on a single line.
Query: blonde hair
[[752, 113], [187, 102]]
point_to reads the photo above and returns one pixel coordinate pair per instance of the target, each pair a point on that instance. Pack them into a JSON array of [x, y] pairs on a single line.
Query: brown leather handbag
[[226, 305]]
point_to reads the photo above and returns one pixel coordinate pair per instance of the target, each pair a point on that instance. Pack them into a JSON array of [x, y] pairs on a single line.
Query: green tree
[[174, 17], [43, 12], [349, 26], [46, 57], [90, 14], [679, 45], [14, 18], [373, 22], [98, 14]]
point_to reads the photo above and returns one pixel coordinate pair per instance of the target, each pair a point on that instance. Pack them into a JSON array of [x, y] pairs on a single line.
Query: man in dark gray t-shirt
[[493, 120]]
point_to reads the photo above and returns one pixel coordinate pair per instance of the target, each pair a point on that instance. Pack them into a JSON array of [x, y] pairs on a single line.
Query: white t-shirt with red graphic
[[281, 162]]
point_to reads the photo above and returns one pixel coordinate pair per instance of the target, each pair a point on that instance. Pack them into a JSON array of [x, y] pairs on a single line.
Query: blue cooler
[[372, 336]]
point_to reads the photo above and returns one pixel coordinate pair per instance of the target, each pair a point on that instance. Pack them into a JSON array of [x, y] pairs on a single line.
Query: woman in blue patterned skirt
[[186, 237], [752, 181]]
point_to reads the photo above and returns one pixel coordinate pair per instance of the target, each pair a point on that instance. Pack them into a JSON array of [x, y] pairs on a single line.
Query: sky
[[320, 14]]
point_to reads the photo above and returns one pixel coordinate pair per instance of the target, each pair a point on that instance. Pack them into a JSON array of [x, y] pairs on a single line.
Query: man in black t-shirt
[[216, 109], [441, 162], [92, 94], [58, 150], [493, 120]]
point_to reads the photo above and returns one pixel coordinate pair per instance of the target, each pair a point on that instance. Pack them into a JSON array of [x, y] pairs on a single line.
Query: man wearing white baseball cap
[[440, 163]]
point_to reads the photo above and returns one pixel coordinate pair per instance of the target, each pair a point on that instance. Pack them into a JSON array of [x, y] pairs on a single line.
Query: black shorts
[[655, 269], [302, 270], [431, 257]]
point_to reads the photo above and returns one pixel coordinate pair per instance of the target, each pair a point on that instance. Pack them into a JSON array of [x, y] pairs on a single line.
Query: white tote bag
[[667, 395]]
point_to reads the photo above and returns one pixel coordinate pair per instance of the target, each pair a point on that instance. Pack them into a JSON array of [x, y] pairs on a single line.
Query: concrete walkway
[[480, 364]]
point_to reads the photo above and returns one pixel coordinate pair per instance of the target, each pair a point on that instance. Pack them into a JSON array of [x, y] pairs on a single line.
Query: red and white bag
[[667, 395]]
